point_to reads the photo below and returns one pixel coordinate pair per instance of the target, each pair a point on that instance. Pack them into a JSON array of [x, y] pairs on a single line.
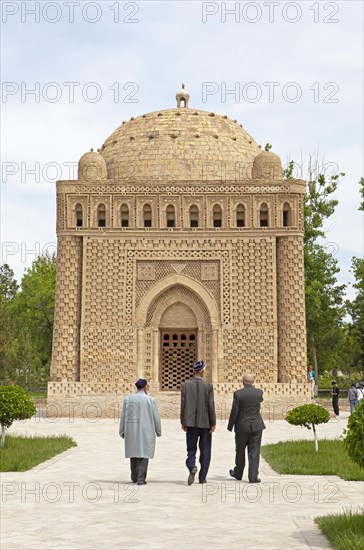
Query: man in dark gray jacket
[[198, 420], [245, 416]]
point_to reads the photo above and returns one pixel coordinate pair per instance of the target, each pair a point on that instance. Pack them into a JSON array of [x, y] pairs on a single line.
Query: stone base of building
[[81, 400]]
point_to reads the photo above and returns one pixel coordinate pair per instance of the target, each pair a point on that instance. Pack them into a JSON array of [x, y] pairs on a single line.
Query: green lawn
[[23, 453], [343, 397], [300, 458], [344, 531]]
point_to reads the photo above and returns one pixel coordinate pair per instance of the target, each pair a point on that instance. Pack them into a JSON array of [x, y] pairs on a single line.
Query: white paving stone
[[83, 499]]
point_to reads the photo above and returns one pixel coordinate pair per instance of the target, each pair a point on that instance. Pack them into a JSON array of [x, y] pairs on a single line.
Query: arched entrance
[[178, 345], [176, 311]]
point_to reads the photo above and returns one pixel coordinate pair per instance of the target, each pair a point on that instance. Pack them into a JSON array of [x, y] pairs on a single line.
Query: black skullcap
[[141, 383], [197, 367]]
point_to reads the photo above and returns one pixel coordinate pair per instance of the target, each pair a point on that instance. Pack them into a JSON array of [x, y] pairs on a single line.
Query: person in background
[[198, 420], [311, 377], [352, 397], [246, 419], [335, 397], [139, 425], [360, 390]]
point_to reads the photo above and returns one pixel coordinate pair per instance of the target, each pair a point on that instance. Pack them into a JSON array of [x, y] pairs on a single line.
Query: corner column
[[65, 364], [291, 310]]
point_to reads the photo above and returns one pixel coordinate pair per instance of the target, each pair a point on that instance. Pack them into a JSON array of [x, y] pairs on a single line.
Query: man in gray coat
[[245, 416], [198, 420], [139, 425]]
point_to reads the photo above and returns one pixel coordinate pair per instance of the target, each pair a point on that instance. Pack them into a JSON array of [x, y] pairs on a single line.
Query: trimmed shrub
[[14, 405], [308, 415]]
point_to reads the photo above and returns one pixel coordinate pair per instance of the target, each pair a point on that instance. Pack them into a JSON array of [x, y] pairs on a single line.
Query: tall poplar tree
[[324, 297], [356, 306]]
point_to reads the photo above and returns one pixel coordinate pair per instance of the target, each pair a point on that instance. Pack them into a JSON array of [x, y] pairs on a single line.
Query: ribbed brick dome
[[180, 144]]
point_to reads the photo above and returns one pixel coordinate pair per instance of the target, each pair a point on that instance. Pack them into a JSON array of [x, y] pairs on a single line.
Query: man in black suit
[[245, 416], [198, 420]]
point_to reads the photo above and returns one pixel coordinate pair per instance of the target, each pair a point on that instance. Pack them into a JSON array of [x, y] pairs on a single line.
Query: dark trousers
[[252, 440], [335, 404], [139, 468], [203, 437]]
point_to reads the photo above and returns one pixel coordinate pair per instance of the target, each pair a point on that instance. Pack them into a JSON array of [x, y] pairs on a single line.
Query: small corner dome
[[267, 166], [92, 167]]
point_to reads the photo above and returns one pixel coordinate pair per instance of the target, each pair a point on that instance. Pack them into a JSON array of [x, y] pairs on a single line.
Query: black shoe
[[191, 476], [204, 481], [141, 483], [258, 480], [231, 472]]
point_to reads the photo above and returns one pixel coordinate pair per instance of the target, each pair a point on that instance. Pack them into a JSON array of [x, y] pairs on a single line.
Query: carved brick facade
[[180, 240]]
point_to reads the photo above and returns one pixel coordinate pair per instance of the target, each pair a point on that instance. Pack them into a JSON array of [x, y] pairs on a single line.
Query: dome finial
[[182, 97]]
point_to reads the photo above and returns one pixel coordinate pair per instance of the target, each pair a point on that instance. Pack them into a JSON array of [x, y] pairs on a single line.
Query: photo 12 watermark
[[70, 12], [51, 172], [271, 92], [269, 492], [70, 492], [270, 12], [68, 92], [26, 252]]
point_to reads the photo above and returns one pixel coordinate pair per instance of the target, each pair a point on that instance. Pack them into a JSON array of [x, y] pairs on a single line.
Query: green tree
[[356, 310], [8, 285], [355, 307], [34, 308], [361, 191], [8, 291], [354, 435], [324, 307], [14, 405], [319, 202], [350, 350], [308, 415], [324, 297]]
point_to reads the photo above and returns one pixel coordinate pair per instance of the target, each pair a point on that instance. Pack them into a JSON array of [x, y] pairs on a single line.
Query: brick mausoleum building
[[179, 241]]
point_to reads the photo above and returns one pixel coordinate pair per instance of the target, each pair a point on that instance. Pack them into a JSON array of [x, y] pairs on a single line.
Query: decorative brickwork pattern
[[249, 350], [67, 317], [168, 232], [291, 310], [185, 187], [181, 198], [183, 290], [108, 354], [148, 273], [61, 211], [104, 288], [148, 353], [252, 281]]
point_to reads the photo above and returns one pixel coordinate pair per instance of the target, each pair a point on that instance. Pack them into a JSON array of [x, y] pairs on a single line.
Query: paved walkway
[[83, 499]]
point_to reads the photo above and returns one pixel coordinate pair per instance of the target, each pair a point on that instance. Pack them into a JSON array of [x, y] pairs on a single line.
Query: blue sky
[[296, 68]]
